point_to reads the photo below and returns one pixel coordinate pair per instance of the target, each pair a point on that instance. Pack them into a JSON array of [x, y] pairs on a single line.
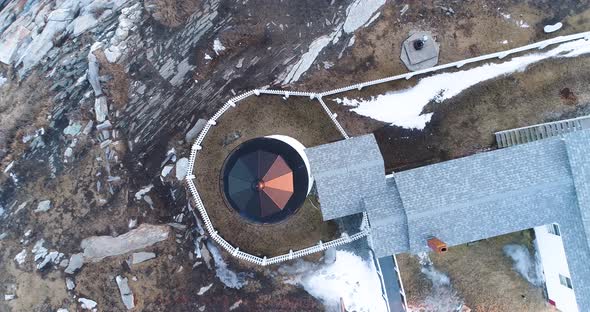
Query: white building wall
[[554, 262]]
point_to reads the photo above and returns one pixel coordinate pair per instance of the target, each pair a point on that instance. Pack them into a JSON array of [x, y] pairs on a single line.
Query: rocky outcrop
[[97, 248]]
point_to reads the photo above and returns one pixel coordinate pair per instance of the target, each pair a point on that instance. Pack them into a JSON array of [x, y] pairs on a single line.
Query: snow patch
[[87, 304], [359, 13], [547, 29], [524, 263], [217, 46], [2, 80], [21, 257], [442, 296], [307, 58], [143, 191], [228, 277], [404, 108], [349, 277], [204, 289]]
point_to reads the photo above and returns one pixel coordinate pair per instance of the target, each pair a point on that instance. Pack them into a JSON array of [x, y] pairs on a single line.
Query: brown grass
[[482, 275], [117, 88], [173, 13], [23, 109]]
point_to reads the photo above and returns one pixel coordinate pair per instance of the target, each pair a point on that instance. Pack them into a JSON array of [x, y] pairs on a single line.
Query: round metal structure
[[265, 180]]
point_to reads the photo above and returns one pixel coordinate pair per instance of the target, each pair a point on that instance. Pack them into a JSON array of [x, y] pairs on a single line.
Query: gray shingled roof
[[344, 172], [472, 198]]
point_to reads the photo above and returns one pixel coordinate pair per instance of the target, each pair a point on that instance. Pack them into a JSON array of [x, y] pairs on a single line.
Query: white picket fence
[[364, 229]]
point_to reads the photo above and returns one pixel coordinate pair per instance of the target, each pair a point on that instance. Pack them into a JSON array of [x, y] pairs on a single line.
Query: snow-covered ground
[[404, 108], [348, 277]]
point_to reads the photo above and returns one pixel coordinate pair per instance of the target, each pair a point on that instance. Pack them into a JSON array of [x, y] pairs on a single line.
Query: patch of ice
[[208, 57], [349, 277], [204, 289], [404, 108], [87, 304], [143, 191], [547, 29], [228, 277], [504, 41], [217, 46]]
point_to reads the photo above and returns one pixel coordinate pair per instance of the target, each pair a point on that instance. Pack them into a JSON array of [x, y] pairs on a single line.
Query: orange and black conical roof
[[262, 176]]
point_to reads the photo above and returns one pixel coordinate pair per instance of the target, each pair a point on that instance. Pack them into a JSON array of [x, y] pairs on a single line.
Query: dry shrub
[[118, 86], [172, 13]]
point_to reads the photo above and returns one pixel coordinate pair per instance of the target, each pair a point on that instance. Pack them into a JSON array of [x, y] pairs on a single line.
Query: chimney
[[437, 245]]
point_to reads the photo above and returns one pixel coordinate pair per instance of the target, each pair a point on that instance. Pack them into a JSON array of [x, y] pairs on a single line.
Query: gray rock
[[192, 134], [43, 206], [104, 126], [73, 129], [75, 263], [93, 74], [139, 257], [101, 110], [83, 23], [88, 127], [98, 247], [125, 291]]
